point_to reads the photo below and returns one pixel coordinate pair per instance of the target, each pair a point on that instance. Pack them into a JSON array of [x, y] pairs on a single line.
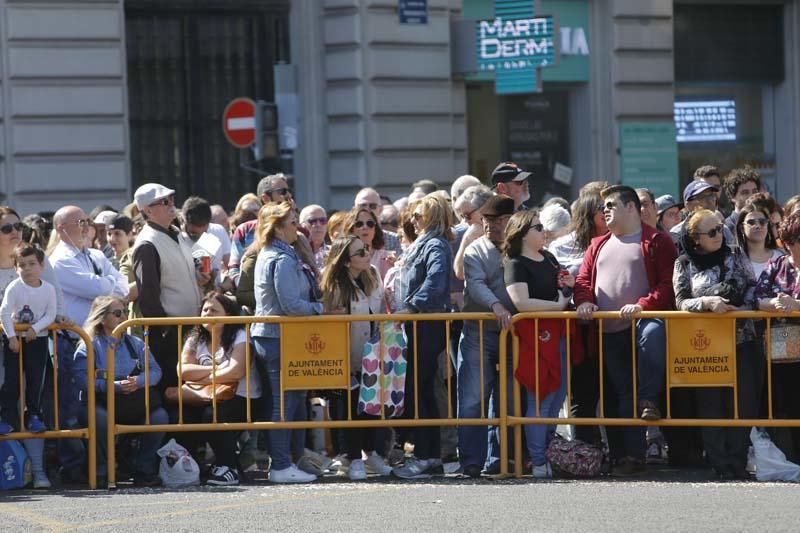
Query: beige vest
[[180, 295]]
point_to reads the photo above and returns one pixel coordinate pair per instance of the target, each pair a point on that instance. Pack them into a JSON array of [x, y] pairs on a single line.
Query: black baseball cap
[[507, 172], [120, 222]]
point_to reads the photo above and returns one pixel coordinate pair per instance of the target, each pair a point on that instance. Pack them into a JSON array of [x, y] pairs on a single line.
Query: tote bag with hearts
[[384, 390]]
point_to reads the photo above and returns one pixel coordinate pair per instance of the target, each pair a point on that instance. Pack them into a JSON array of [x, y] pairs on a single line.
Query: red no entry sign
[[239, 122]]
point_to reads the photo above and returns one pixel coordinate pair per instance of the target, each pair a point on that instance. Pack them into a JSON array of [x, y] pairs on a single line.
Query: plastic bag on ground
[[771, 463], [177, 468]]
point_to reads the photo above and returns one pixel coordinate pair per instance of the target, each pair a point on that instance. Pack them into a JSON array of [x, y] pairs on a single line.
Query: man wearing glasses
[[271, 189], [168, 282], [698, 195], [628, 270], [83, 273], [484, 291]]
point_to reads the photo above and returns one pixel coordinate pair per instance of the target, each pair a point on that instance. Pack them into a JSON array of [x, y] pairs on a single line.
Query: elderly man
[[485, 291], [368, 198], [168, 282], [83, 273]]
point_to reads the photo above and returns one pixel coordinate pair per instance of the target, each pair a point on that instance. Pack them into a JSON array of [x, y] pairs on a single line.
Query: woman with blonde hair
[[106, 313], [246, 209], [284, 286], [351, 285], [425, 288]]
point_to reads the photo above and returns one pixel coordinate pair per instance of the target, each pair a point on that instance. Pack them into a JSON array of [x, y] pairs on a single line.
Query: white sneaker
[[377, 465], [40, 480], [291, 475], [357, 472], [544, 471]]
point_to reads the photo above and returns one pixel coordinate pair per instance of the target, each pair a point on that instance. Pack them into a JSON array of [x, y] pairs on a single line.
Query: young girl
[[351, 285]]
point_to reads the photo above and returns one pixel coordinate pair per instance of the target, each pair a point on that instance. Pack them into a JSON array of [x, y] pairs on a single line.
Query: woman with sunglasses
[[533, 278], [588, 222], [106, 313], [363, 224], [712, 277], [755, 237], [351, 285], [284, 285], [315, 221], [778, 289]]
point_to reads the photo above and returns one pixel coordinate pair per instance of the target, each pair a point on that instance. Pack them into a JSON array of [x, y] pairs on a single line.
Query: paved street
[[663, 501]]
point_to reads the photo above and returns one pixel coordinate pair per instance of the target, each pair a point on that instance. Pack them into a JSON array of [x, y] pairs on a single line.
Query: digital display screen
[[705, 120]]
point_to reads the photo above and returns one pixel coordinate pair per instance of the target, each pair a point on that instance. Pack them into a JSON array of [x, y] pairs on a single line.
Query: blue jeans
[[268, 351], [475, 441], [650, 358], [538, 435]]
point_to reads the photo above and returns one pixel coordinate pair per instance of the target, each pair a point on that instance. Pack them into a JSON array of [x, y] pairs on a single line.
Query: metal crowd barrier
[[328, 328], [88, 433], [697, 322]]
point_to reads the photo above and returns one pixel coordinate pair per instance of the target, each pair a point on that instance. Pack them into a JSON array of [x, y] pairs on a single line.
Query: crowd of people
[[474, 248]]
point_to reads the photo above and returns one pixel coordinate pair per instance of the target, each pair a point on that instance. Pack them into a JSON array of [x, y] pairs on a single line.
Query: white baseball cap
[[105, 217], [149, 193]]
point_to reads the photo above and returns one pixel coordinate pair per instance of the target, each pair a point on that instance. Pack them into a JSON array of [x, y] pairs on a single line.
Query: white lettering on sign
[[513, 28], [573, 42], [242, 123], [494, 48]]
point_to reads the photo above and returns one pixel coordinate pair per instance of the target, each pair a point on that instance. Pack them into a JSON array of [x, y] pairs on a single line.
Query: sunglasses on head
[[314, 221], [283, 191], [371, 206], [757, 222], [361, 252], [360, 224], [8, 228], [712, 232], [116, 312]]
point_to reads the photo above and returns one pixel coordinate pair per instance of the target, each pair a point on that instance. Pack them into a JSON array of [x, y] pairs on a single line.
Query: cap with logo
[[696, 187], [507, 172], [149, 193]]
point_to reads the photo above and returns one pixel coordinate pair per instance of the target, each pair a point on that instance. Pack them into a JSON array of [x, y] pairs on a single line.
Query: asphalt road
[[663, 502]]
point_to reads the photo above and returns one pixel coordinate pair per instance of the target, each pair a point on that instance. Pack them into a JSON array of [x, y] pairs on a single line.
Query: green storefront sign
[[649, 156], [572, 37]]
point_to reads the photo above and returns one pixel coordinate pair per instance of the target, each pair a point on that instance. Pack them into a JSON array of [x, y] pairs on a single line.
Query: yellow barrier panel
[[88, 433], [299, 329], [315, 356], [689, 336]]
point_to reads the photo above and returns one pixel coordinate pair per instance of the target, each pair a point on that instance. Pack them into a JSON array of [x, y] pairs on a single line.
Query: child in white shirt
[[31, 301]]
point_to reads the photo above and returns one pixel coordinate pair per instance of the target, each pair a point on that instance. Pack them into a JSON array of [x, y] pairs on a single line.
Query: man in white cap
[[165, 273]]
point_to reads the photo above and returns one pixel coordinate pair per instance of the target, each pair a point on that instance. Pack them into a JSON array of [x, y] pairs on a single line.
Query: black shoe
[[473, 471], [146, 480], [222, 476], [649, 411]]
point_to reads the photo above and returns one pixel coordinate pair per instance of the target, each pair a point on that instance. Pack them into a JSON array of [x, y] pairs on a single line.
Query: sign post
[[239, 122]]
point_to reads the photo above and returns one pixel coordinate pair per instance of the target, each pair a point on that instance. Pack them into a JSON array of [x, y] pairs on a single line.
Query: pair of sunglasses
[[116, 312], [314, 221], [361, 252], [8, 228], [757, 222], [360, 224], [712, 232]]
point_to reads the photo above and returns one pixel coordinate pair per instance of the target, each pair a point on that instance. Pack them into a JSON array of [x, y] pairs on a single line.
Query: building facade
[[98, 97]]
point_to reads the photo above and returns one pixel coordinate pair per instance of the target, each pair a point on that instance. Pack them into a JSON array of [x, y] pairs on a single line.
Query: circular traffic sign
[[239, 122]]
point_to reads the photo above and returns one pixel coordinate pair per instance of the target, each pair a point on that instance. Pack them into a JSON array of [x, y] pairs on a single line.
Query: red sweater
[[659, 260]]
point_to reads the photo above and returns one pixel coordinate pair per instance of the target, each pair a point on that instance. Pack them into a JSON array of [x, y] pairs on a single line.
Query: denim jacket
[[281, 289], [125, 363], [426, 275]]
